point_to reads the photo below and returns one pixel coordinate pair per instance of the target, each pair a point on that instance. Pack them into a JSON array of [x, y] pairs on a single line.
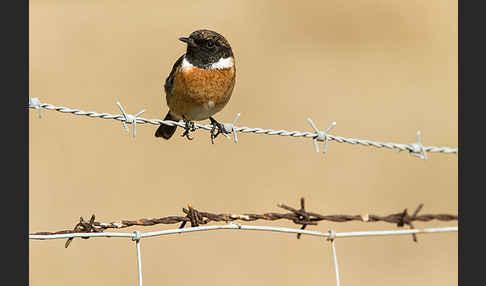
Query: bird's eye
[[210, 44]]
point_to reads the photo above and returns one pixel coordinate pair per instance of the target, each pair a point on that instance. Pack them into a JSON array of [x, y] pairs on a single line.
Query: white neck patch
[[186, 65], [225, 63]]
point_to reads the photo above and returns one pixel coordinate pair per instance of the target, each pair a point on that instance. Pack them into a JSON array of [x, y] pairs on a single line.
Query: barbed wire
[[297, 216], [331, 236], [416, 149]]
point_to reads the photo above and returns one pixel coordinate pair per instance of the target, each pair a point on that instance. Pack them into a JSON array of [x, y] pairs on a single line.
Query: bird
[[200, 83]]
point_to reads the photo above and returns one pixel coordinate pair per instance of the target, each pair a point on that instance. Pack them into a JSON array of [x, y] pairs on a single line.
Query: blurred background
[[381, 69]]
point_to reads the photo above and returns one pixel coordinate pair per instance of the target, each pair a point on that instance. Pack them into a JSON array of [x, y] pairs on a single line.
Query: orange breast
[[200, 93]]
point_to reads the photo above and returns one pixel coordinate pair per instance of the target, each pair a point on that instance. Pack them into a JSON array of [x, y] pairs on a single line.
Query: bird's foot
[[217, 129], [189, 127]]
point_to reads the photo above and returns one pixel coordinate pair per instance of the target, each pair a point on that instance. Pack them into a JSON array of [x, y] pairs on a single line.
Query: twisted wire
[[140, 120], [297, 216]]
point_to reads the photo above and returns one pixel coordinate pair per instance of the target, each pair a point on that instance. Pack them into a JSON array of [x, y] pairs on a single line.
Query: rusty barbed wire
[[416, 149], [297, 216]]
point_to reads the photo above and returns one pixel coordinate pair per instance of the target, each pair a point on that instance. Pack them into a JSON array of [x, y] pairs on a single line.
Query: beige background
[[381, 69]]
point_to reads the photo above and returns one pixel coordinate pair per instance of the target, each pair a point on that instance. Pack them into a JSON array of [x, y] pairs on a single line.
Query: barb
[[35, 103], [83, 226], [414, 148], [297, 216], [230, 128], [321, 135], [419, 150], [130, 118]]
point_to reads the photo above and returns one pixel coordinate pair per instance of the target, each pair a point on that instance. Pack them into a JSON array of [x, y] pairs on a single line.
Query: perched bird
[[200, 83]]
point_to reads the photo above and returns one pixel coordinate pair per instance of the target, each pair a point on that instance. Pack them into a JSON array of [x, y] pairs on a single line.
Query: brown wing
[[169, 81]]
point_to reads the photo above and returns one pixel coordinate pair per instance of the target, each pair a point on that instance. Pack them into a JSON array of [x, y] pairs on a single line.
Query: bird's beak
[[189, 41]]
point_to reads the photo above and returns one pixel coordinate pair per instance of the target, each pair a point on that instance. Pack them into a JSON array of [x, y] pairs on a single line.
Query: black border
[[470, 54], [15, 135]]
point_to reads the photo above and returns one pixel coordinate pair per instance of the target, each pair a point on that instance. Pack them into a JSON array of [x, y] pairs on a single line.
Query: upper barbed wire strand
[[34, 103]]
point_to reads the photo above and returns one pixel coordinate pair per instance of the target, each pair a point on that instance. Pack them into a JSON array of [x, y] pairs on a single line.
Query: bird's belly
[[198, 94]]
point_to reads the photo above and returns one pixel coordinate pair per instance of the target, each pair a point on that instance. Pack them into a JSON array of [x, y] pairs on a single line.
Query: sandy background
[[381, 69]]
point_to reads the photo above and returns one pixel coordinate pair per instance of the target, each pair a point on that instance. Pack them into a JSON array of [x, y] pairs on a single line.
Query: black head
[[205, 47]]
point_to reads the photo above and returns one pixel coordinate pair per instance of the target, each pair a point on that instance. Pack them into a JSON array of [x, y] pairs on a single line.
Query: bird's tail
[[166, 131]]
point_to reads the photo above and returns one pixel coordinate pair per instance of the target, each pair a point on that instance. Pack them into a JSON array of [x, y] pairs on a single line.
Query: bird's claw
[[217, 129], [189, 127]]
